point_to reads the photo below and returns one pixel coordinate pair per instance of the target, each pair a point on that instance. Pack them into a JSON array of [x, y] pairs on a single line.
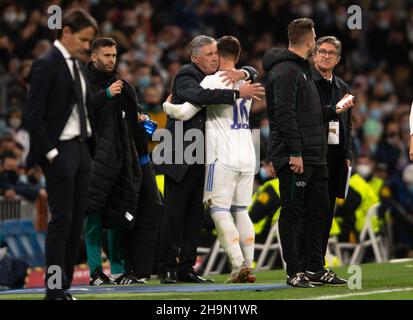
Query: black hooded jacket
[[294, 110], [116, 172]]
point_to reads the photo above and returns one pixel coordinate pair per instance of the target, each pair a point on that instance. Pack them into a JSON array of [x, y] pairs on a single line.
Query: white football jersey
[[228, 136]]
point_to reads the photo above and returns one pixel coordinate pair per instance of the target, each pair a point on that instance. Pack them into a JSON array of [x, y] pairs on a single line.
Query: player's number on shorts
[[241, 116]]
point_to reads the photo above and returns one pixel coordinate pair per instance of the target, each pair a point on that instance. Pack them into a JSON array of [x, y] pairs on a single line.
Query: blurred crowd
[[152, 36]]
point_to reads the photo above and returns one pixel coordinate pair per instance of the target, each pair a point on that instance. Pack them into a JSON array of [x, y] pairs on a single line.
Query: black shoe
[[99, 278], [57, 297], [192, 277], [299, 280], [126, 279], [169, 277], [69, 296], [325, 277], [61, 296]]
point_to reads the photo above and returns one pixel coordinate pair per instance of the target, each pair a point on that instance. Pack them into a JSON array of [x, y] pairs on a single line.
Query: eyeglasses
[[324, 53]]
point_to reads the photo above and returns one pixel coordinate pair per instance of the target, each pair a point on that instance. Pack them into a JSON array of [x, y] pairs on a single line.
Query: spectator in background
[[10, 183], [152, 104], [390, 145], [398, 196], [14, 121], [7, 143]]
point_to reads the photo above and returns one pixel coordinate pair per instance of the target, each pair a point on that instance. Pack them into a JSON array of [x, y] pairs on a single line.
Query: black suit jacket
[[338, 91], [49, 105]]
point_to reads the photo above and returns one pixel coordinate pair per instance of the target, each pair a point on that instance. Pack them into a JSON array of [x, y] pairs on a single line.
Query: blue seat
[[23, 241]]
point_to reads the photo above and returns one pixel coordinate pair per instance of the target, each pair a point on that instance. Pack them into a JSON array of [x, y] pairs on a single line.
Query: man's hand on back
[[255, 91], [232, 76]]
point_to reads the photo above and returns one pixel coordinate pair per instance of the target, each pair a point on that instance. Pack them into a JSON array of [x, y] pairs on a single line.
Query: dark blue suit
[[49, 106]]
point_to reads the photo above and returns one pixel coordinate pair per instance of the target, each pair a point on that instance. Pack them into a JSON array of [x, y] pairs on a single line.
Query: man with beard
[[298, 149], [124, 199]]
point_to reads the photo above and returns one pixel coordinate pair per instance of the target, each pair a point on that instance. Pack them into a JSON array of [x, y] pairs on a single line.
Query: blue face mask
[[263, 174], [363, 108], [375, 114], [265, 132], [144, 82], [23, 179]]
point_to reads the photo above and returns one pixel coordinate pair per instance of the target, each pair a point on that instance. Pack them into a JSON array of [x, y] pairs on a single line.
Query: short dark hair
[[298, 29], [229, 46], [102, 42], [76, 20]]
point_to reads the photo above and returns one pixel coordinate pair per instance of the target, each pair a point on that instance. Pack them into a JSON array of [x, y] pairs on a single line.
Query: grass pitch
[[386, 281]]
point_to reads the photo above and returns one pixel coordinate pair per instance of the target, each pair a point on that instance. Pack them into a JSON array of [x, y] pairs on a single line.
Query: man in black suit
[[331, 90], [183, 215], [60, 123]]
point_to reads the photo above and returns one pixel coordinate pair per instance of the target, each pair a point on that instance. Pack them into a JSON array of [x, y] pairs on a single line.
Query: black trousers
[[67, 181], [304, 206], [182, 221], [138, 245], [335, 164]]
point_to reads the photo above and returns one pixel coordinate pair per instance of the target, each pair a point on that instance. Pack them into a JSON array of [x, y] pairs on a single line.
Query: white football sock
[[228, 235], [246, 233]]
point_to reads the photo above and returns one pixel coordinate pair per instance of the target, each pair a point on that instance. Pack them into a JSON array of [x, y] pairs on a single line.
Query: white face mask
[[364, 170]]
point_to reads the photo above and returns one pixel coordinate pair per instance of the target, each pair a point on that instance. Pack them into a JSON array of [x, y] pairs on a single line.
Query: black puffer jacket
[[116, 173], [294, 110]]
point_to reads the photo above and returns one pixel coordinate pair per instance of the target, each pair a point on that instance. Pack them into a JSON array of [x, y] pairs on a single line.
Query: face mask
[[322, 6], [387, 86], [364, 170], [42, 181], [162, 44], [10, 17], [363, 108], [388, 107], [383, 24], [15, 123], [375, 114], [107, 27], [144, 82], [341, 19], [23, 179], [263, 174], [373, 148], [265, 132], [139, 39]]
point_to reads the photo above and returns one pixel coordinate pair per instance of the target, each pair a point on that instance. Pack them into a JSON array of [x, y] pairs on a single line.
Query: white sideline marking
[[337, 296]]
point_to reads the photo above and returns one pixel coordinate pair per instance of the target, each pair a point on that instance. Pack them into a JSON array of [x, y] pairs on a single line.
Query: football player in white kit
[[230, 164]]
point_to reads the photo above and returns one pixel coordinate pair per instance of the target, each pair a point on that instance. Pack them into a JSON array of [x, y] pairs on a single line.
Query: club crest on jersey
[[300, 184]]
